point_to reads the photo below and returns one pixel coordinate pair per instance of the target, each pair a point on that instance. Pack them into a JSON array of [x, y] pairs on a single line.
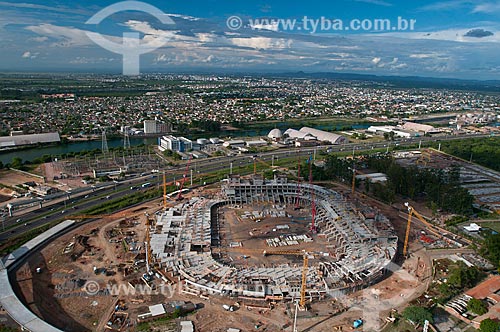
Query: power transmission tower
[[126, 140], [105, 148]]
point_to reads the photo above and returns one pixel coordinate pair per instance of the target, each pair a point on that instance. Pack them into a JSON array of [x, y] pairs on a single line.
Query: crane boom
[[313, 203], [297, 199], [303, 286], [179, 197], [411, 212]]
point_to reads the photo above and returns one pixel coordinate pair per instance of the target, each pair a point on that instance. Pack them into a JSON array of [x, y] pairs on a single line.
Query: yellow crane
[[147, 245], [305, 265], [412, 212]]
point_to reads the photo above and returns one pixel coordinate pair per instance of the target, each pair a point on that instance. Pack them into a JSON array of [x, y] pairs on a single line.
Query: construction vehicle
[[430, 227], [357, 323], [179, 196]]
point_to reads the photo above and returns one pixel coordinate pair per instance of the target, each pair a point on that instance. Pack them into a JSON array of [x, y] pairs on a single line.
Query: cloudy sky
[[451, 38]]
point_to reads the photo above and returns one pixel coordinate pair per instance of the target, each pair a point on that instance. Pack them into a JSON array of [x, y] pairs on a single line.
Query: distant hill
[[404, 81]]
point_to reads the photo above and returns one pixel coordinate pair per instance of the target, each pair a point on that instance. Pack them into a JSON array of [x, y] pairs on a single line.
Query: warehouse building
[[9, 142]]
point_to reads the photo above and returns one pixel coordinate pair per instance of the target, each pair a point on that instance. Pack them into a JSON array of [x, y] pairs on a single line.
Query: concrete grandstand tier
[[186, 236]]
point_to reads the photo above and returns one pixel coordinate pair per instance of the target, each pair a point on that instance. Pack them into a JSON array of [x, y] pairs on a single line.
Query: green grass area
[[18, 241], [400, 325], [494, 225]]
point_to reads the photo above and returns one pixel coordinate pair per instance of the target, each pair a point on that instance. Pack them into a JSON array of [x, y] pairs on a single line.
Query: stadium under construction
[[296, 240]]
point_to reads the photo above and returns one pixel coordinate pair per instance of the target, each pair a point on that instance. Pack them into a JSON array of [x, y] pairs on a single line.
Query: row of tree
[[441, 189]]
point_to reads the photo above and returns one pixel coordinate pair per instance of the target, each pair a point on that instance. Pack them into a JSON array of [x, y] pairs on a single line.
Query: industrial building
[[324, 136], [155, 127], [275, 134], [419, 127], [309, 134], [177, 144], [9, 142]]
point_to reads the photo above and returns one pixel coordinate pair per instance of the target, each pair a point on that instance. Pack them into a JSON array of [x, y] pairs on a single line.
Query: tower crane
[[313, 203], [179, 196], [297, 199], [305, 267], [411, 212], [147, 245]]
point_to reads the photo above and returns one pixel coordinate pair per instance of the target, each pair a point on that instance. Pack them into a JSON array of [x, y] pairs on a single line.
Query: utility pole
[[164, 192], [104, 143], [295, 318], [191, 177]]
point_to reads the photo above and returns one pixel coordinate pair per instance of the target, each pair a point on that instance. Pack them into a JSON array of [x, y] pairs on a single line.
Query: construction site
[[245, 253], [248, 243]]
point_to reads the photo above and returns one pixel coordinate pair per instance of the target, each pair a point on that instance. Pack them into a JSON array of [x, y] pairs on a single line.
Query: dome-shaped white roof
[[275, 133]]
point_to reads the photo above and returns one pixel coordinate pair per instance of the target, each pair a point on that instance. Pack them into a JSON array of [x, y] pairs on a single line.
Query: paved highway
[[23, 222]]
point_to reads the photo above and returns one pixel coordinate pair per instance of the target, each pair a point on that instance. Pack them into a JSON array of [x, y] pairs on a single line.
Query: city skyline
[[456, 39]]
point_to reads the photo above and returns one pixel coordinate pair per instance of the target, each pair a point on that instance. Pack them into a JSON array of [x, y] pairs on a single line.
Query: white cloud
[[262, 43], [30, 55], [273, 26], [70, 36], [40, 39], [160, 58], [376, 2], [376, 61], [447, 5], [488, 8], [58, 9], [82, 60], [456, 35], [184, 17]]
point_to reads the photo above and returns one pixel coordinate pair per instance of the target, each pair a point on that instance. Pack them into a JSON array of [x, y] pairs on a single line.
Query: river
[[54, 150]]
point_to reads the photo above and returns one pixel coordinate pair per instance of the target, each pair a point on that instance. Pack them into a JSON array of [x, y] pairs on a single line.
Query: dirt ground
[[252, 236], [63, 182], [12, 178], [58, 293]]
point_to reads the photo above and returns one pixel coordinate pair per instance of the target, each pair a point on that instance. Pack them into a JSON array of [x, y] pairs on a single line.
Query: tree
[[477, 306], [392, 135], [417, 314], [488, 325], [16, 162]]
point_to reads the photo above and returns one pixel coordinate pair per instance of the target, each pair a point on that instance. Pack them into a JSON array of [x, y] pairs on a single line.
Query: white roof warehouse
[[21, 140]]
